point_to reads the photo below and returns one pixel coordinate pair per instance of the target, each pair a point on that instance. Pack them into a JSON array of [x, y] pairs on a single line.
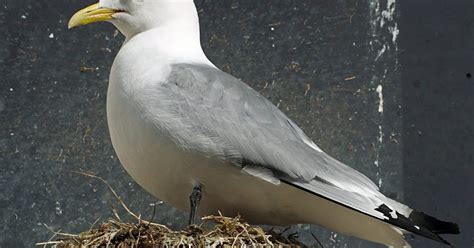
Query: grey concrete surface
[[320, 61], [438, 133]]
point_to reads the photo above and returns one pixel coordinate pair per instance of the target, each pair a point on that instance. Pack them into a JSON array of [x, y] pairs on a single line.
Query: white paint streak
[[384, 32], [395, 32], [384, 19], [389, 13], [380, 92], [381, 52]]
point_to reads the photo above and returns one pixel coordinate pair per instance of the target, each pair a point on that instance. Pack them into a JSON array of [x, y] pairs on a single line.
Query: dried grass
[[227, 232]]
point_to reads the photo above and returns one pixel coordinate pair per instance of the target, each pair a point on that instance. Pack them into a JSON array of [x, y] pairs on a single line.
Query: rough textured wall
[[332, 66]]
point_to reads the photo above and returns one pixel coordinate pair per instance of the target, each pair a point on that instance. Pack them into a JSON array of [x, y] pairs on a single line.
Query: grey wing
[[209, 111]]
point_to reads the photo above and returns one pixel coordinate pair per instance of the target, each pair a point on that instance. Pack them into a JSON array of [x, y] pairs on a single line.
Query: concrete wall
[[327, 64]]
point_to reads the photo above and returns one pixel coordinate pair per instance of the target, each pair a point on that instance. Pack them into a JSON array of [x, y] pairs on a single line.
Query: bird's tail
[[420, 223], [421, 219], [434, 225]]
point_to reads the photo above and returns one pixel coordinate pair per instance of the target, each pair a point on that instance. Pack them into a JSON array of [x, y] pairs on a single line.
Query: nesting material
[[226, 232]]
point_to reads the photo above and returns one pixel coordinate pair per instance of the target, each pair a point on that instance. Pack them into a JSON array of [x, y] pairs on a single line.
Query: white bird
[[202, 140]]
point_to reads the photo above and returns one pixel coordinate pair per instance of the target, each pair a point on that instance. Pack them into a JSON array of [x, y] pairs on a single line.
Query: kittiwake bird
[[204, 141]]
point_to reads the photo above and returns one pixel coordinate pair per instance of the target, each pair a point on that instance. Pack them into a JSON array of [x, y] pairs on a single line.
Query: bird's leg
[[194, 199]]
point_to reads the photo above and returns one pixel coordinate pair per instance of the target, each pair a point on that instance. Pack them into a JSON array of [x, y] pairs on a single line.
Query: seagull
[[203, 141]]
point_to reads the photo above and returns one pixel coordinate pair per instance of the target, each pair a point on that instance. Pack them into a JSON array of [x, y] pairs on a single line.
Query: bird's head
[[135, 16]]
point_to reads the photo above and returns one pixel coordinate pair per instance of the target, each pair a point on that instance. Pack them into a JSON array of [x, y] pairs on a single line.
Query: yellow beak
[[91, 14]]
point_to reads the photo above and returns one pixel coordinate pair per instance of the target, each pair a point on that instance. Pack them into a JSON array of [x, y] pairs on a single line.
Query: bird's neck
[[176, 37], [170, 44]]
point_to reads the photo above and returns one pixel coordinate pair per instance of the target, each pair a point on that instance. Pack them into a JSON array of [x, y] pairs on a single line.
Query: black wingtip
[[433, 224], [421, 224]]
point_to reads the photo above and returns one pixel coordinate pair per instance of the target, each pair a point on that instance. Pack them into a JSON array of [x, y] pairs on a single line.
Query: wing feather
[[207, 111], [222, 116]]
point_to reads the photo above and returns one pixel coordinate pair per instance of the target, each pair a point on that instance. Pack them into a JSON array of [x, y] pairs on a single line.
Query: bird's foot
[[194, 199]]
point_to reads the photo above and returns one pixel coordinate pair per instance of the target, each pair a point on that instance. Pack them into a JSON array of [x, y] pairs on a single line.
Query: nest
[[226, 232]]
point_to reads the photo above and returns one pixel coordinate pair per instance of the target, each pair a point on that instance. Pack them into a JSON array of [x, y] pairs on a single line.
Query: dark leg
[[194, 198]]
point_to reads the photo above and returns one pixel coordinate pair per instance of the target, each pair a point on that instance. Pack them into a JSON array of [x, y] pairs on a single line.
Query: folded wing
[[208, 111]]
